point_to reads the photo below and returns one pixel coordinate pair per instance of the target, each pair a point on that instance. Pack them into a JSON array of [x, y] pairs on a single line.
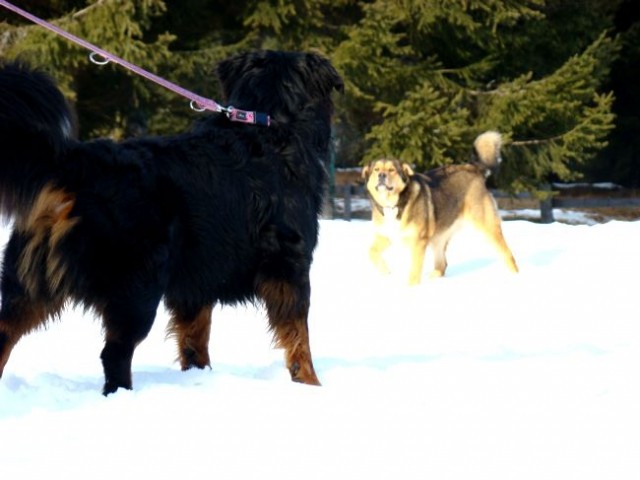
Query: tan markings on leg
[[294, 339], [56, 269], [6, 346], [288, 321], [46, 225], [192, 336], [12, 330]]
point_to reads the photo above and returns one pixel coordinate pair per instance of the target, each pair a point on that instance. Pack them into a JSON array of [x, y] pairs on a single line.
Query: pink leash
[[198, 103]]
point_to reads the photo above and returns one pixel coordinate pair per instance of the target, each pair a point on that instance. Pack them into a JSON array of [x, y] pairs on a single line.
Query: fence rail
[[349, 194]]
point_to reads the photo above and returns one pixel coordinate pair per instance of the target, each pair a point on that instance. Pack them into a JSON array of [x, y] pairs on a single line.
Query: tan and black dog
[[418, 210]]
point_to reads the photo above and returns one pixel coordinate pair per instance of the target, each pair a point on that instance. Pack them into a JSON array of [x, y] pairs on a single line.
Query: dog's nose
[[382, 177]]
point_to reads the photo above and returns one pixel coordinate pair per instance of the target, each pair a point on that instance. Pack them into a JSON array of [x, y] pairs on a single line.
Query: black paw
[[112, 387], [189, 358]]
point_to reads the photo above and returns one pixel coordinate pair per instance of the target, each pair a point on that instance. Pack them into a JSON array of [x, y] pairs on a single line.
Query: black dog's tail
[[36, 125], [486, 151]]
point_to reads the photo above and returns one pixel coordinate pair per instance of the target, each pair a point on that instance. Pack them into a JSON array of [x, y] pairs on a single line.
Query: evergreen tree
[[109, 100], [297, 25], [620, 160], [424, 78], [178, 40]]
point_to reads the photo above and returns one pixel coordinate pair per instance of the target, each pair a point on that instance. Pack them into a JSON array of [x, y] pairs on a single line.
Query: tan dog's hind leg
[[487, 220], [494, 233], [439, 246]]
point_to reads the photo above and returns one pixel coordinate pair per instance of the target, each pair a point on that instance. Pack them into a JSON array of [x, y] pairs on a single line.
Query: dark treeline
[[423, 77]]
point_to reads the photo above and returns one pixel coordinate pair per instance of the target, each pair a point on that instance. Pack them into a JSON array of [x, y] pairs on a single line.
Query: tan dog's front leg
[[380, 244]]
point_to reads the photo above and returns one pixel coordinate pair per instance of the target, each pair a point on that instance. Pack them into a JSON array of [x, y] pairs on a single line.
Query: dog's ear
[[225, 70], [321, 69], [366, 171], [236, 67], [408, 171]]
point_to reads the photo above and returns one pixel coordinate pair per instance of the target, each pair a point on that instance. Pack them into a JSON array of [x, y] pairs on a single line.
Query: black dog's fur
[[225, 213]]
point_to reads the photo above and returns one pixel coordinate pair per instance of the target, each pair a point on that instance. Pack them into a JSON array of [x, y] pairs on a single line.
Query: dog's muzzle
[[382, 183]]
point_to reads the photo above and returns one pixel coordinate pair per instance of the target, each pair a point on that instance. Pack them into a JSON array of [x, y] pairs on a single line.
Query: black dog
[[225, 213]]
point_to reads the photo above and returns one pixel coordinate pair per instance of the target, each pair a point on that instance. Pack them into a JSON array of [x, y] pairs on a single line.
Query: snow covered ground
[[479, 375]]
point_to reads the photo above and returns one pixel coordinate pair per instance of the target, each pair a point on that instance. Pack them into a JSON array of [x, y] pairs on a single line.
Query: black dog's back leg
[[20, 312], [191, 330], [126, 324], [287, 305], [18, 317]]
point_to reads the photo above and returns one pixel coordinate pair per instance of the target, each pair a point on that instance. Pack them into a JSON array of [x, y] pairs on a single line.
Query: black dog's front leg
[[287, 306], [116, 361]]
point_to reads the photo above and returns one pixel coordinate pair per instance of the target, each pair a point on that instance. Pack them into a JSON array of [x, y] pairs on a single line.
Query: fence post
[[347, 202], [546, 205]]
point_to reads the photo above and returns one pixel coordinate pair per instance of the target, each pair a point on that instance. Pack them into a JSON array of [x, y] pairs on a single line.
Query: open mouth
[[383, 186]]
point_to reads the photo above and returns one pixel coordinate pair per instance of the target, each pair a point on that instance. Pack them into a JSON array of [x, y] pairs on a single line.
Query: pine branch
[[540, 141], [15, 34], [84, 11]]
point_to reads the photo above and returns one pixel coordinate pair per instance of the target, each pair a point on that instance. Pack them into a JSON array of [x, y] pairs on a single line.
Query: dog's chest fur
[[395, 225], [389, 223]]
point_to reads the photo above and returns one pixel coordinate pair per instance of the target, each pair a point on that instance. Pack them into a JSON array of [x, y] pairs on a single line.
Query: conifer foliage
[[107, 98], [423, 77], [438, 74]]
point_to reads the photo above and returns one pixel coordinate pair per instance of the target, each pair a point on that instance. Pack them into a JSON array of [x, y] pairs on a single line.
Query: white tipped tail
[[487, 148]]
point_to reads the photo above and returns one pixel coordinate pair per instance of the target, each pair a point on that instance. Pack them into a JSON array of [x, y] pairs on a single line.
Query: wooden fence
[[347, 195]]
